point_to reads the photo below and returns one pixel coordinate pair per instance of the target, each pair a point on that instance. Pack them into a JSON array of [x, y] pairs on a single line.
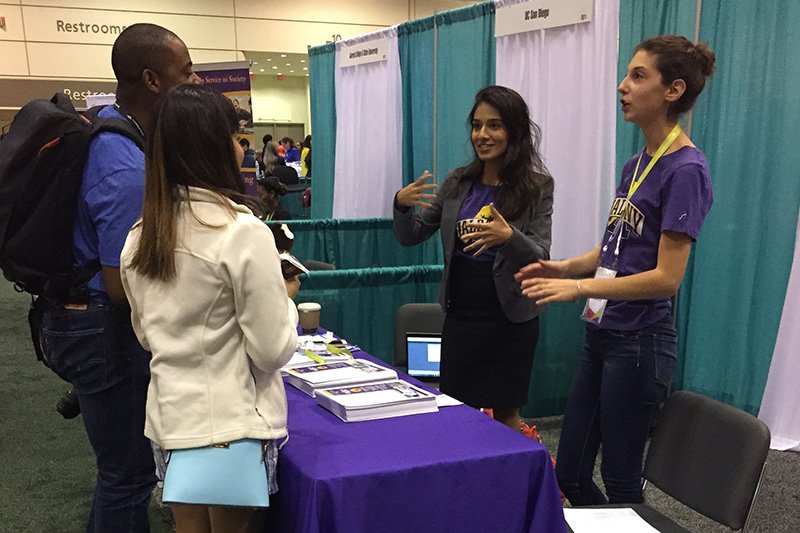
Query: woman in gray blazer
[[495, 216]]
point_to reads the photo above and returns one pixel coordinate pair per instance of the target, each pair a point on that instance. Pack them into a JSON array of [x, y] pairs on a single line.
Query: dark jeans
[[621, 378], [98, 353]]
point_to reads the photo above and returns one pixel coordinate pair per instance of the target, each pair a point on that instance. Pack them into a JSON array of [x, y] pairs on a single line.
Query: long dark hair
[[523, 175], [191, 146]]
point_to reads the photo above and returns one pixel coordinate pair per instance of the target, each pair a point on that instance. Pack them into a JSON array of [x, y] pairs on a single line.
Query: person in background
[[630, 349], [207, 296], [495, 216], [265, 140], [292, 154], [271, 158], [305, 157], [270, 190], [91, 343], [249, 160], [281, 149]]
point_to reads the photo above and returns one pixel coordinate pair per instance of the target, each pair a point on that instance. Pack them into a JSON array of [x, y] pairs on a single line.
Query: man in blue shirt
[[91, 343]]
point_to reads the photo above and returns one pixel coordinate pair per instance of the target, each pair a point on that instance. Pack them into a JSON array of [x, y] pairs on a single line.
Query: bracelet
[[578, 283]]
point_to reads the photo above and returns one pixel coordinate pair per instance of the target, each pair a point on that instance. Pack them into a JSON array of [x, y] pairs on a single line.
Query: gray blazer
[[530, 242]]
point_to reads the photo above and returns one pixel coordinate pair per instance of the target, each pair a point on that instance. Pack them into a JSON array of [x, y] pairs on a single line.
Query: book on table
[[372, 401], [310, 377]]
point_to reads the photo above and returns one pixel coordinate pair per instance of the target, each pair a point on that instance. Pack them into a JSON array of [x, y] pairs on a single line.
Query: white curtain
[[568, 77], [369, 128], [779, 406]]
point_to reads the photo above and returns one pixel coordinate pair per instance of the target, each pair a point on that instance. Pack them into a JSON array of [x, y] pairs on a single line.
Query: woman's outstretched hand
[[416, 193], [544, 282], [542, 269]]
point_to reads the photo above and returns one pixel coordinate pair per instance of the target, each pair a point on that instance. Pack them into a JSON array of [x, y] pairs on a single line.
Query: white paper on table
[[310, 338], [443, 400], [606, 521]]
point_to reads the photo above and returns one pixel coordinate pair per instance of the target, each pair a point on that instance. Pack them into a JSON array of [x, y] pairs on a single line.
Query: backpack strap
[[124, 127]]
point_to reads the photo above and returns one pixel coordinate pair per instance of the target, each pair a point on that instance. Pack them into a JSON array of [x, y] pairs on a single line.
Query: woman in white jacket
[[203, 278]]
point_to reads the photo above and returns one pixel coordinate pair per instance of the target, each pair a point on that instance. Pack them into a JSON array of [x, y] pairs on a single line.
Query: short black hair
[[139, 47], [245, 143]]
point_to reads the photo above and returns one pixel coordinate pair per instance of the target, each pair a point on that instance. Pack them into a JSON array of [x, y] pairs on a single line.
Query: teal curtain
[[322, 65], [639, 20], [746, 122], [465, 63], [557, 353], [415, 40], [360, 305], [359, 243]]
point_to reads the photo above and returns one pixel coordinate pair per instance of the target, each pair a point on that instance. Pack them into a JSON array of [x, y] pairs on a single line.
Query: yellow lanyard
[[666, 143]]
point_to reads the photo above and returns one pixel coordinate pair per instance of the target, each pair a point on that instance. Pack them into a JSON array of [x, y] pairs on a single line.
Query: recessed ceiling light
[[288, 64], [302, 60], [283, 55], [306, 75], [261, 70], [274, 68], [291, 71], [255, 62], [280, 73], [269, 59], [305, 68]]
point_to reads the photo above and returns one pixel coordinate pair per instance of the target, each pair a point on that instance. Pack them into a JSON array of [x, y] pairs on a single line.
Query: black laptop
[[424, 353]]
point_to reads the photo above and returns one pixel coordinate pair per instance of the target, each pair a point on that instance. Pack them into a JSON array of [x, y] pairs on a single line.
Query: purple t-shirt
[[675, 196], [475, 206]]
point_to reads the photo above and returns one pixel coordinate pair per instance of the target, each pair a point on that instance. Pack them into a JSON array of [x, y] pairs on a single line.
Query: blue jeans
[[97, 351], [621, 378]]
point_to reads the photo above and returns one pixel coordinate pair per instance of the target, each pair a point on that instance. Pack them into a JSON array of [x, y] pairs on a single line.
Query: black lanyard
[[130, 118]]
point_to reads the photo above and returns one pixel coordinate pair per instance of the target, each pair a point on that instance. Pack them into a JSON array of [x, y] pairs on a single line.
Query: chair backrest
[[313, 264], [414, 318], [709, 456]]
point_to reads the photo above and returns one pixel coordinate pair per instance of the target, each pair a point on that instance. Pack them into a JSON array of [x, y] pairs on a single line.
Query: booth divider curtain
[[573, 102], [746, 123], [567, 76], [359, 243], [369, 122], [321, 61], [416, 42], [360, 305], [779, 404], [465, 63]]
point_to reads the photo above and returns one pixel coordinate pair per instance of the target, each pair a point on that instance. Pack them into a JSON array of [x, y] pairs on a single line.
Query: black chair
[[707, 455], [414, 318], [312, 264]]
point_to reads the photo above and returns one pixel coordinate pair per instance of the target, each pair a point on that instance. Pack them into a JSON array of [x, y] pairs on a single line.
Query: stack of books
[[308, 378], [372, 401]]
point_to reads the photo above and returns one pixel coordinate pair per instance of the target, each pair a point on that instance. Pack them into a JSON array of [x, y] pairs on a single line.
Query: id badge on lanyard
[[594, 308]]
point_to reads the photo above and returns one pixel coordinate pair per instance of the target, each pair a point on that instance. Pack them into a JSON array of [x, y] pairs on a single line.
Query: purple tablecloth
[[455, 471]]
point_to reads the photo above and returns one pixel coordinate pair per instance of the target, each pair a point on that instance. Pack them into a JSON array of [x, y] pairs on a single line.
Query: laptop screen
[[424, 353]]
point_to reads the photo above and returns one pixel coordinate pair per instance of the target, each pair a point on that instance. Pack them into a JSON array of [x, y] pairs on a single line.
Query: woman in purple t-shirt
[[630, 349], [495, 215]]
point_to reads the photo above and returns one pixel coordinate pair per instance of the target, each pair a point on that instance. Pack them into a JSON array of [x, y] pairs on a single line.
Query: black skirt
[[486, 359]]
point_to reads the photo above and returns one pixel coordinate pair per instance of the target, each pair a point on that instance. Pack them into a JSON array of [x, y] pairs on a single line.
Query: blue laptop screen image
[[424, 353]]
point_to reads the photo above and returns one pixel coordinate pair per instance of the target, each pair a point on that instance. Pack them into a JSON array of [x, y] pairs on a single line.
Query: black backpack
[[42, 157]]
